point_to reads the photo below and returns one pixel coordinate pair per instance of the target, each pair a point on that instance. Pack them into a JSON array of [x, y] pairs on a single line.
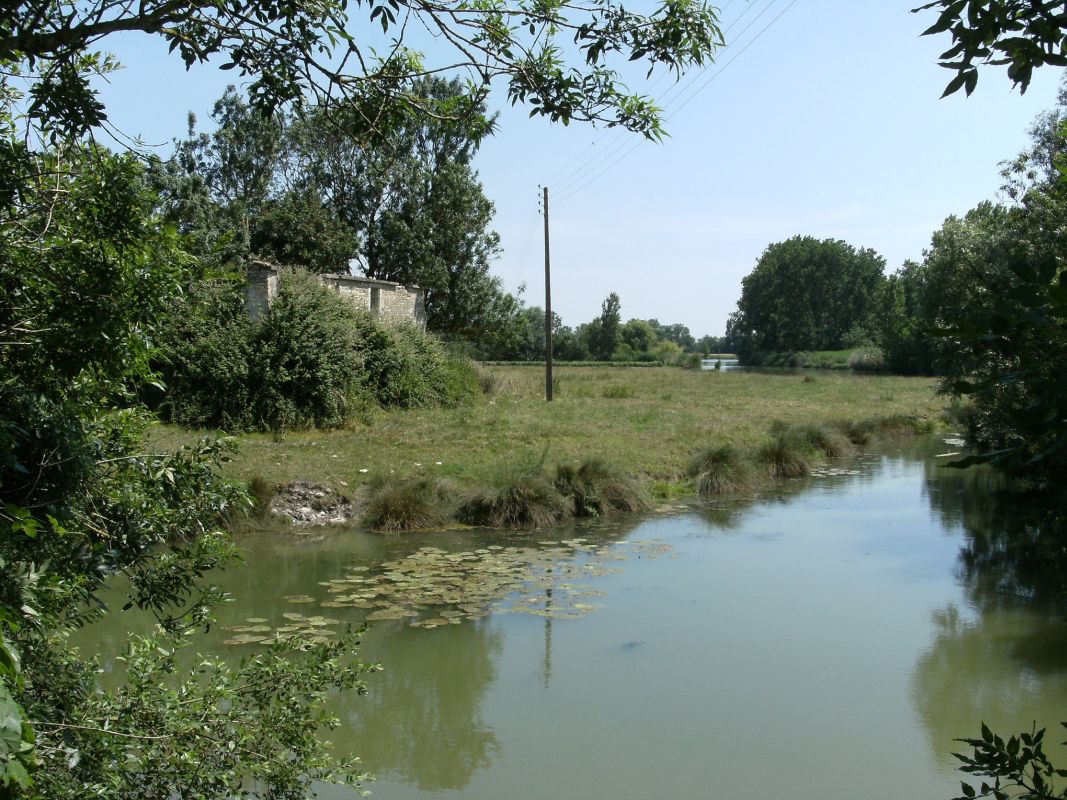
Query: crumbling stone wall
[[386, 300], [260, 291]]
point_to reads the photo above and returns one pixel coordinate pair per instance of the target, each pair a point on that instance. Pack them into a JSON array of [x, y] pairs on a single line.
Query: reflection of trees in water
[[1015, 548], [1001, 667], [422, 720], [1006, 664]]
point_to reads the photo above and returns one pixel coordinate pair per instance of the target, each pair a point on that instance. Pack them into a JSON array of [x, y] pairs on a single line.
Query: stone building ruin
[[385, 300]]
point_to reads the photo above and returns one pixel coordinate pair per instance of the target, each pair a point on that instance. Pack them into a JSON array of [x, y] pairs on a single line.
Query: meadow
[[647, 423]]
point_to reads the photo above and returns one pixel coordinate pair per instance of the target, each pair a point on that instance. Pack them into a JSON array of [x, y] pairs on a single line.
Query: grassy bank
[[648, 423]]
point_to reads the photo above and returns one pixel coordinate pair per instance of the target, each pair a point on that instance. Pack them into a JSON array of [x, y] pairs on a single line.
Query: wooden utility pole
[[548, 309]]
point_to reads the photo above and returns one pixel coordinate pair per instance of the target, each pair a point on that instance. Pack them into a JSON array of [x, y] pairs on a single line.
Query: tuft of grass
[[617, 391], [520, 499], [596, 489], [406, 504], [784, 456], [488, 380], [826, 440], [262, 492], [720, 468]]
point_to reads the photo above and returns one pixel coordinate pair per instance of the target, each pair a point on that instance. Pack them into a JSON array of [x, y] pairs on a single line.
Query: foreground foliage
[[1018, 767], [293, 51], [87, 277]]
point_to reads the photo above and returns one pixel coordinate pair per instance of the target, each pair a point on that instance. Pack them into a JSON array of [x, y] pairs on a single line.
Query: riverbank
[[647, 423]]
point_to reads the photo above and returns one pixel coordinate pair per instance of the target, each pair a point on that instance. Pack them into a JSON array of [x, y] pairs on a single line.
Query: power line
[[576, 188], [577, 167]]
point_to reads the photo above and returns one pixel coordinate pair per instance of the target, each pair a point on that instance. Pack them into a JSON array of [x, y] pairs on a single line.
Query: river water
[[827, 639]]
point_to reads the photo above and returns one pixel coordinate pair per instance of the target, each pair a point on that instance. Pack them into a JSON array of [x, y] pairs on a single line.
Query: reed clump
[[406, 504], [829, 441], [720, 468], [784, 455], [519, 499], [597, 489]]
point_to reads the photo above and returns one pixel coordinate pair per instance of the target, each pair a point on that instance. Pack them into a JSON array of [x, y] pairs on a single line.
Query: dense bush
[[405, 368], [314, 361]]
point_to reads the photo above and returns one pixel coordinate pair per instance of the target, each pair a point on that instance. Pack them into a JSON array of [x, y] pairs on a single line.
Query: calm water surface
[[824, 640]]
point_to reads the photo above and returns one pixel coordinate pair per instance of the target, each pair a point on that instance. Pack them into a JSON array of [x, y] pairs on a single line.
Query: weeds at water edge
[[720, 468], [596, 489], [520, 499], [406, 504]]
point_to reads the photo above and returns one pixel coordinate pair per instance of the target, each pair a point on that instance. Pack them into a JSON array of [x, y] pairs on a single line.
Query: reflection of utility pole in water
[[546, 665]]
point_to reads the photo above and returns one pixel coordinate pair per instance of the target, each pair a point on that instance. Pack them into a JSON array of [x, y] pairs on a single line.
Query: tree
[[296, 229], [710, 344], [806, 294], [639, 335], [406, 207], [904, 333], [677, 333], [603, 333], [290, 52], [1019, 34]]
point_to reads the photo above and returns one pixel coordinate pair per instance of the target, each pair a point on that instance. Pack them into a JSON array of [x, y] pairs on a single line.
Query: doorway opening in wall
[[375, 300]]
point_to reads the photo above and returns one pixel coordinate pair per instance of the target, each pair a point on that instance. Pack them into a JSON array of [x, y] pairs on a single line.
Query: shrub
[[596, 489], [203, 359], [408, 368], [305, 368], [406, 504], [869, 359], [520, 499], [720, 468], [315, 360]]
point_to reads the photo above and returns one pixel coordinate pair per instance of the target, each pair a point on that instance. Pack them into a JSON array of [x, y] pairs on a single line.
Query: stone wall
[[388, 301], [260, 291]]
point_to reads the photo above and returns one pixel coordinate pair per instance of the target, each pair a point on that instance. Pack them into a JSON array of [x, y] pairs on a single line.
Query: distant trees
[[807, 294], [309, 191], [605, 338]]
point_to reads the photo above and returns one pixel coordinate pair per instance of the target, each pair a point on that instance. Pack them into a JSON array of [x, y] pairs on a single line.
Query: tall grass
[[520, 498], [596, 489], [784, 456], [406, 504], [831, 442], [720, 468]]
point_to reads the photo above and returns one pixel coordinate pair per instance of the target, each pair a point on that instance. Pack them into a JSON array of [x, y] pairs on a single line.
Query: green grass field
[[647, 422]]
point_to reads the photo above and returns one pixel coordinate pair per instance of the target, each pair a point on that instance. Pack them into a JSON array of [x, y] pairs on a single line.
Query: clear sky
[[820, 118]]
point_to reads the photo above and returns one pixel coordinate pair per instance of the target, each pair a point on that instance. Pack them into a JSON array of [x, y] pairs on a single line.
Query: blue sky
[[821, 118]]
